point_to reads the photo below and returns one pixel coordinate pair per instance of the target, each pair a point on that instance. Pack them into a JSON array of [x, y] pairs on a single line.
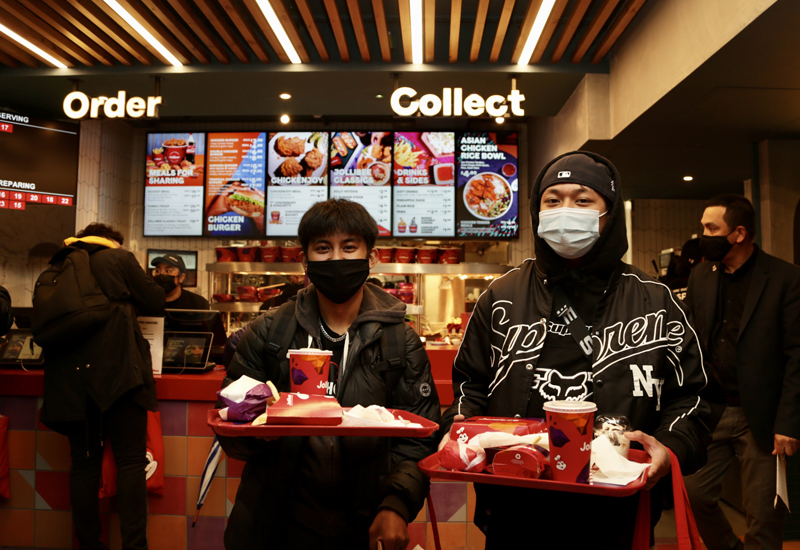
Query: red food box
[[519, 461], [302, 408], [469, 428]]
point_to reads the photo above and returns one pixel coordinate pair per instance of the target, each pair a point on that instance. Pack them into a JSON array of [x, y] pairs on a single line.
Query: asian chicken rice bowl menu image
[[361, 171], [424, 184], [235, 193], [297, 170], [487, 185]]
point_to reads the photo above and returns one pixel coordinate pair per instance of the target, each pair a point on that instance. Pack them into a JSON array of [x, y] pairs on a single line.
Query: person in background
[[680, 267], [169, 274], [103, 387], [746, 304], [6, 315], [288, 291], [522, 349], [339, 493]]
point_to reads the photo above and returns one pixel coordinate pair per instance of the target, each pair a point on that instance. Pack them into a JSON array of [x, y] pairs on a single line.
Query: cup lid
[[309, 351], [570, 406]]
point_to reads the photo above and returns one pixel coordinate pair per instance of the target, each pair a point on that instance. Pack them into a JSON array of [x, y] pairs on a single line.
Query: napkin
[[488, 440], [613, 468], [375, 416], [236, 391], [781, 490]]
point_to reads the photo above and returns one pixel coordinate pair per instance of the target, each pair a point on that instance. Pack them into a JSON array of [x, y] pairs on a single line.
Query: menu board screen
[[234, 204], [487, 202], [424, 179], [173, 194], [361, 172], [297, 169]]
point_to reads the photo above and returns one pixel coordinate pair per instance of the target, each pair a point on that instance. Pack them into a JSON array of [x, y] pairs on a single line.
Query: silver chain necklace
[[328, 336]]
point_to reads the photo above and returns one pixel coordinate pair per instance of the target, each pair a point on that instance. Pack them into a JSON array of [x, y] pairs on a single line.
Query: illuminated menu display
[[361, 172], [297, 172], [488, 172], [235, 189], [424, 184], [173, 194]]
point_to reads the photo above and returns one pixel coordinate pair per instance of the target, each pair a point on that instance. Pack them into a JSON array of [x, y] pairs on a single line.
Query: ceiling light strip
[[277, 28], [35, 49], [416, 31], [536, 31], [144, 33]]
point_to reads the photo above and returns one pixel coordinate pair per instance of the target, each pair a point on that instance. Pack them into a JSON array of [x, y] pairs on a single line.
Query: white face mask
[[571, 232]]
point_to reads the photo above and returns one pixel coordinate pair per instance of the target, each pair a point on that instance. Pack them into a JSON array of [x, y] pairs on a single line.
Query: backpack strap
[[281, 331], [393, 358]]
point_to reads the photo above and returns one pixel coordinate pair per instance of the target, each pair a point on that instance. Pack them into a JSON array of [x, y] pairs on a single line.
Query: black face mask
[[338, 280], [715, 248], [167, 282]]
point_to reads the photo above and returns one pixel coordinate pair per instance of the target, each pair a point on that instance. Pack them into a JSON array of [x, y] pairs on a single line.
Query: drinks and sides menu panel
[[297, 172], [235, 188], [361, 172], [424, 184], [173, 194], [488, 171]]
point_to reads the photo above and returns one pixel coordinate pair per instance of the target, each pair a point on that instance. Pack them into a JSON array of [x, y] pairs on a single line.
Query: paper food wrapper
[[236, 391], [302, 408], [466, 430], [611, 467], [456, 455], [255, 402], [487, 440], [375, 416], [781, 489], [520, 461]]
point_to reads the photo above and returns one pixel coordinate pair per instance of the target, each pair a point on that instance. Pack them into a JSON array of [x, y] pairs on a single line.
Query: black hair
[[101, 230], [337, 216], [738, 211]]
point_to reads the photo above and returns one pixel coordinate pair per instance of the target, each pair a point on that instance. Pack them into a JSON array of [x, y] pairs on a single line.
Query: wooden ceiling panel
[[313, 30], [7, 60], [338, 29], [455, 29], [217, 19], [477, 32], [190, 15], [178, 29], [599, 19], [383, 32], [569, 30], [617, 28], [34, 38], [17, 53], [265, 27], [105, 23], [404, 10], [358, 27], [239, 18], [502, 27], [289, 27], [549, 29], [84, 25], [429, 7]]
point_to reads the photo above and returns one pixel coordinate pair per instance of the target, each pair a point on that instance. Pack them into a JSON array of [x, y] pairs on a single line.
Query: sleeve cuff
[[395, 504], [678, 446]]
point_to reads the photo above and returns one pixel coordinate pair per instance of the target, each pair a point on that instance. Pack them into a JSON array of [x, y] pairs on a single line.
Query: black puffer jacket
[[352, 476], [115, 359]]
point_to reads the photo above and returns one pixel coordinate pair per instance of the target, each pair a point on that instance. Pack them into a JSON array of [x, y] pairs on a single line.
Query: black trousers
[[125, 424]]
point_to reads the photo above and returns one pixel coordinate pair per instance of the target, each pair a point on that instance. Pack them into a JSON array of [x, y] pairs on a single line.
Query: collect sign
[[453, 103], [78, 105]]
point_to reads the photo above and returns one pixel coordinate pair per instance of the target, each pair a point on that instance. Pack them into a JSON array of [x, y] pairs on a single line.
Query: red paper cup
[[247, 253], [404, 254], [385, 254], [449, 255], [571, 428], [226, 254], [427, 255], [291, 253], [309, 369], [270, 254]]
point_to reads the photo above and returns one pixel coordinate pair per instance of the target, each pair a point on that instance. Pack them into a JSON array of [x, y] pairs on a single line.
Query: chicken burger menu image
[[488, 178], [361, 172], [424, 184], [297, 171], [235, 194], [173, 195]]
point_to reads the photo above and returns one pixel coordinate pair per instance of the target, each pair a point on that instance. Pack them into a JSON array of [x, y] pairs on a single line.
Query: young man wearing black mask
[[347, 493], [169, 273]]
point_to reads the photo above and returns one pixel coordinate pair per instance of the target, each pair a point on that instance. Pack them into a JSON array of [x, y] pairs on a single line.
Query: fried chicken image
[[312, 161], [291, 147], [290, 168]]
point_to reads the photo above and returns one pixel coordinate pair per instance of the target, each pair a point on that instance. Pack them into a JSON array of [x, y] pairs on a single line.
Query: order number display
[[16, 200]]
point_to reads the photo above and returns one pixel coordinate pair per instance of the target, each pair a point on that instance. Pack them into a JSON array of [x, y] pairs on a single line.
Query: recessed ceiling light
[[379, 96], [285, 96], [499, 120], [285, 119], [687, 178]]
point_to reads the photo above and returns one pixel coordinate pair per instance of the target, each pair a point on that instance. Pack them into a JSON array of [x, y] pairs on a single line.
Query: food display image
[[246, 202], [361, 158], [488, 182], [424, 158], [297, 158], [175, 156]]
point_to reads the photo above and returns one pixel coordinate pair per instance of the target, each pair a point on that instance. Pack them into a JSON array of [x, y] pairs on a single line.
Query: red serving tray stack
[[430, 467], [234, 429]]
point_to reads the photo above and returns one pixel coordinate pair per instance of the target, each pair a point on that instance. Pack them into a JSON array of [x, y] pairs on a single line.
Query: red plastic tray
[[232, 429], [430, 467]]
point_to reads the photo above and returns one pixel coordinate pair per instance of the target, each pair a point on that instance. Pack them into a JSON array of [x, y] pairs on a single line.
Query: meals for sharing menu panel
[[424, 184]]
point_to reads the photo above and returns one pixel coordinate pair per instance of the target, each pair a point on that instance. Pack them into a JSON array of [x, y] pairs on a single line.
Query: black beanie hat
[[583, 170]]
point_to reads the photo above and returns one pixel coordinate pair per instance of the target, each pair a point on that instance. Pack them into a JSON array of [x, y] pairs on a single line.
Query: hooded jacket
[[646, 362], [349, 478], [115, 359]]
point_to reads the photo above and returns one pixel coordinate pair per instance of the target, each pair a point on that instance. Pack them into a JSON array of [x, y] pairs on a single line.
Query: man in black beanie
[[637, 355]]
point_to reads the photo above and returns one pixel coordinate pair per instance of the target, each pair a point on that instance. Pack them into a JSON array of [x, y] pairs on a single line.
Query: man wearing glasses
[[169, 274]]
